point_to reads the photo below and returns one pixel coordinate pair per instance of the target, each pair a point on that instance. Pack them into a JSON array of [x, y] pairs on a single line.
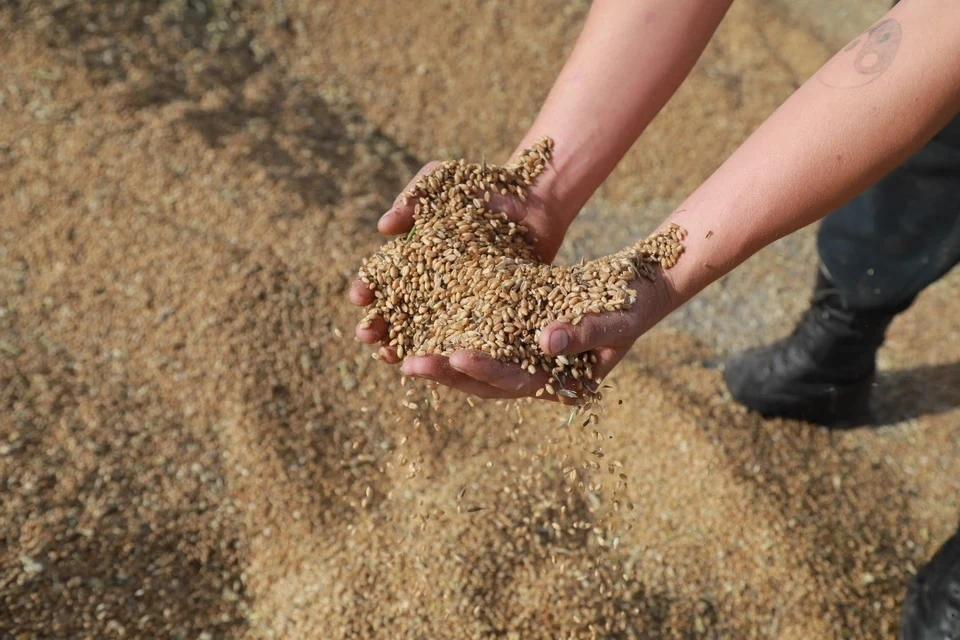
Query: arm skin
[[629, 59], [864, 112]]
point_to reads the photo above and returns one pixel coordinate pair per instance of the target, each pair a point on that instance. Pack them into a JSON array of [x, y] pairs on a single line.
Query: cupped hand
[[540, 214], [608, 336]]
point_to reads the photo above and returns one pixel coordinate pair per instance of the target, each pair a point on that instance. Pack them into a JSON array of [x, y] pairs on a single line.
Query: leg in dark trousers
[[901, 235], [877, 253]]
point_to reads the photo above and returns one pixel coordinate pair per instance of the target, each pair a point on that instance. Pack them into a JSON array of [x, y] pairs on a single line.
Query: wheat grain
[[465, 276]]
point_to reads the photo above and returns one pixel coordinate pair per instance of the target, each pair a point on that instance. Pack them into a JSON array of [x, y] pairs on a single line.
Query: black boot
[[822, 372], [931, 610]]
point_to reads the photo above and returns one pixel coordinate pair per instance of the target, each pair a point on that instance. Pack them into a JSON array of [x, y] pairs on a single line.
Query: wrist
[[720, 235], [566, 182], [552, 194]]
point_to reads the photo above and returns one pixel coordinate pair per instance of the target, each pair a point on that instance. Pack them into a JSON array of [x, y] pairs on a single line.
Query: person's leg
[[900, 235], [877, 253]]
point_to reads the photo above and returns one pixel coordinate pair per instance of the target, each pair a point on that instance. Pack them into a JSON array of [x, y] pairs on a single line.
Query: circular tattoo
[[865, 59]]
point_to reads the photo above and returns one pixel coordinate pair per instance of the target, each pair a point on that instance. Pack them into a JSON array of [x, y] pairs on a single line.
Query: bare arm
[[875, 103], [867, 110], [630, 58]]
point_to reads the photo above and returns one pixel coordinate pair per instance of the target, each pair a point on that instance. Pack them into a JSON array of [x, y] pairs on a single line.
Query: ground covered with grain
[[192, 445]]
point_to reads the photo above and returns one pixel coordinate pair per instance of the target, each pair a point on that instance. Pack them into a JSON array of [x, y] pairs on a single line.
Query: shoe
[[931, 610], [822, 372]]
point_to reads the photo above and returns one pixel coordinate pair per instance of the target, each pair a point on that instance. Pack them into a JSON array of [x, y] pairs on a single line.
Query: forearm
[[629, 59], [860, 116]]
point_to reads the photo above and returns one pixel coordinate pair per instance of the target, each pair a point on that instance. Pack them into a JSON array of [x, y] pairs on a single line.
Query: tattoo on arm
[[865, 59]]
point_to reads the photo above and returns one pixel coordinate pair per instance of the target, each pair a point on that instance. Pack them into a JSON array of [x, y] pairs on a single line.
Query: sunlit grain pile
[[528, 561], [466, 278], [193, 446]]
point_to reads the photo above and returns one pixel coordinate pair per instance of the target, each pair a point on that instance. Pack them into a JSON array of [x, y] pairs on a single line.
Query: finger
[[360, 294], [438, 369], [388, 355], [375, 332], [399, 218], [596, 330], [503, 375], [607, 359], [507, 377]]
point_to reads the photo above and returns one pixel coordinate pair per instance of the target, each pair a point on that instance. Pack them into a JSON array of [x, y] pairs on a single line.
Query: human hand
[[607, 336], [544, 218]]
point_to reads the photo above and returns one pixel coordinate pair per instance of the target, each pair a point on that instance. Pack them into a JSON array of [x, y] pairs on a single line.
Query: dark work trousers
[[901, 234]]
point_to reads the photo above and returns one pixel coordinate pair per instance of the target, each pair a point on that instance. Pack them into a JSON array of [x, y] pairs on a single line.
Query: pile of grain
[[189, 448], [466, 278], [530, 563]]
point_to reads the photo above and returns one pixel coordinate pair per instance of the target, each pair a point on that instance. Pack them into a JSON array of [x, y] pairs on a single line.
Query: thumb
[[399, 218], [597, 330]]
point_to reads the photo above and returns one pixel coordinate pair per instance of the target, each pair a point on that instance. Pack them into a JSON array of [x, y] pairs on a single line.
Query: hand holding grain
[[545, 232], [464, 298]]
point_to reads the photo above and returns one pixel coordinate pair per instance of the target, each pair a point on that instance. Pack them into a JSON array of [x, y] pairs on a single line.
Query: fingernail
[[559, 341]]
